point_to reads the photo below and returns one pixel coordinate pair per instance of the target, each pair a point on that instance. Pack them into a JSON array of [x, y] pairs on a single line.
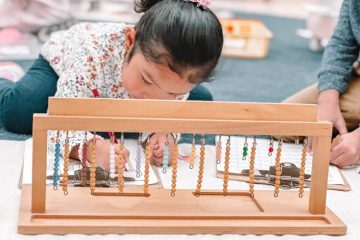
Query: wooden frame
[[45, 211]]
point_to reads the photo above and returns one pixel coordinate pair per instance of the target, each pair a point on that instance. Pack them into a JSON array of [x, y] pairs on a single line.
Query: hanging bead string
[[226, 166], [193, 153], [251, 168], [82, 154], [278, 169], [121, 163], [147, 166], [174, 169], [112, 157], [166, 156], [245, 149], [271, 147], [201, 166], [56, 162], [66, 165], [81, 157], [92, 165], [218, 151], [302, 169], [138, 157]]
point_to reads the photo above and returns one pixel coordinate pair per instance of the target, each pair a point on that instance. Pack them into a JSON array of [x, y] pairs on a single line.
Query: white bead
[[80, 152]]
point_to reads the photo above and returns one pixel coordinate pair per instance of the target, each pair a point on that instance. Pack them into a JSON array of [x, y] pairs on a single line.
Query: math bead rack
[[44, 211]]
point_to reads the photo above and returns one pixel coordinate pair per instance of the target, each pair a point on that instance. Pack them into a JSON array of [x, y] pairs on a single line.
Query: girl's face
[[144, 79]]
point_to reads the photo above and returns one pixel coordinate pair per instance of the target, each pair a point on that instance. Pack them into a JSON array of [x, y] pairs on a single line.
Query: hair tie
[[203, 3]]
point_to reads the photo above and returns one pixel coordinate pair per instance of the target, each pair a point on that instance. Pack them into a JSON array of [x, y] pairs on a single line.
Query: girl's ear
[[130, 35]]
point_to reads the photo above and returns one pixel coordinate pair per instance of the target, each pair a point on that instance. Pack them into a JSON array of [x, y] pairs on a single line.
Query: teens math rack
[[121, 209]]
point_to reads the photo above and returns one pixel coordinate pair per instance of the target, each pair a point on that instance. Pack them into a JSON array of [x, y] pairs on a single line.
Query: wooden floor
[[160, 213]]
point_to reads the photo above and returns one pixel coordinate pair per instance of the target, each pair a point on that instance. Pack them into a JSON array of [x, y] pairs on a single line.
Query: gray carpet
[[289, 67]]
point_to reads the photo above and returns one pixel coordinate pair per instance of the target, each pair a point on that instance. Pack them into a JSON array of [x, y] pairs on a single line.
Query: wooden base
[[80, 212]]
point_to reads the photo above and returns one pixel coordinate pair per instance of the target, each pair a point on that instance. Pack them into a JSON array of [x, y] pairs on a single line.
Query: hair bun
[[144, 5]]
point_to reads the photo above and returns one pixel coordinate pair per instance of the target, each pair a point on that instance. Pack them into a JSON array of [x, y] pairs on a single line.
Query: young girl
[[173, 48]]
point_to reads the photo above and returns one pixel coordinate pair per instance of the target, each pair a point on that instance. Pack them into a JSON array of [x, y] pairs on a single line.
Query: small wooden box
[[244, 38]]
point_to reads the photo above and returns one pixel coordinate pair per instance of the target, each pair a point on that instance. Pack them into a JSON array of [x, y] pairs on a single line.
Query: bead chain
[[302, 169], [66, 165], [226, 167], [277, 169], [251, 168], [201, 166]]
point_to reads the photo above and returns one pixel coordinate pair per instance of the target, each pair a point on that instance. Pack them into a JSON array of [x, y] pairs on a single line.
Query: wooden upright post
[[39, 168], [319, 175]]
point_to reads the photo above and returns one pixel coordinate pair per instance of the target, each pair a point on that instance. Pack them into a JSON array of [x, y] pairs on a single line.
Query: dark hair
[[181, 34]]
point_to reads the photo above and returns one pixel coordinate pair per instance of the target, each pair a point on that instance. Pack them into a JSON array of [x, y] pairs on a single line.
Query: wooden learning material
[[265, 172], [219, 211], [245, 38]]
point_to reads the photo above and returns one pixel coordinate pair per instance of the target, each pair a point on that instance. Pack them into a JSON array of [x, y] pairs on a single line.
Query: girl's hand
[[157, 143], [102, 152], [347, 151], [329, 110]]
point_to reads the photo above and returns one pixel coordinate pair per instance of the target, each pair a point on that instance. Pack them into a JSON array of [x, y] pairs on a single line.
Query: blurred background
[[25, 24], [291, 51]]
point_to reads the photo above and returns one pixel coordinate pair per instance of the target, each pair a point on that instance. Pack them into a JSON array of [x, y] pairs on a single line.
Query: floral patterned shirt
[[88, 56]]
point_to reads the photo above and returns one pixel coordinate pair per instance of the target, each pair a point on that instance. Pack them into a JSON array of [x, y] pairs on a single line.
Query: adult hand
[[329, 110], [346, 149]]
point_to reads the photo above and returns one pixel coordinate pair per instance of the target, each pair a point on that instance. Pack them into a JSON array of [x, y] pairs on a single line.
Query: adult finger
[[341, 160], [340, 125], [336, 152]]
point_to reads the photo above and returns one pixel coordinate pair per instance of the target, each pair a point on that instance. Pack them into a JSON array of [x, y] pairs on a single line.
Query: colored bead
[[302, 169], [93, 165], [138, 159], [277, 169], [66, 165], [112, 157], [251, 169], [174, 170], [147, 167], [165, 158], [226, 166], [193, 153], [121, 165], [56, 163], [218, 151], [201, 167]]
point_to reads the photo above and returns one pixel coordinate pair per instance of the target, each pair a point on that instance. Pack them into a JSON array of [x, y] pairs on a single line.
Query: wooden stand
[[45, 211]]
